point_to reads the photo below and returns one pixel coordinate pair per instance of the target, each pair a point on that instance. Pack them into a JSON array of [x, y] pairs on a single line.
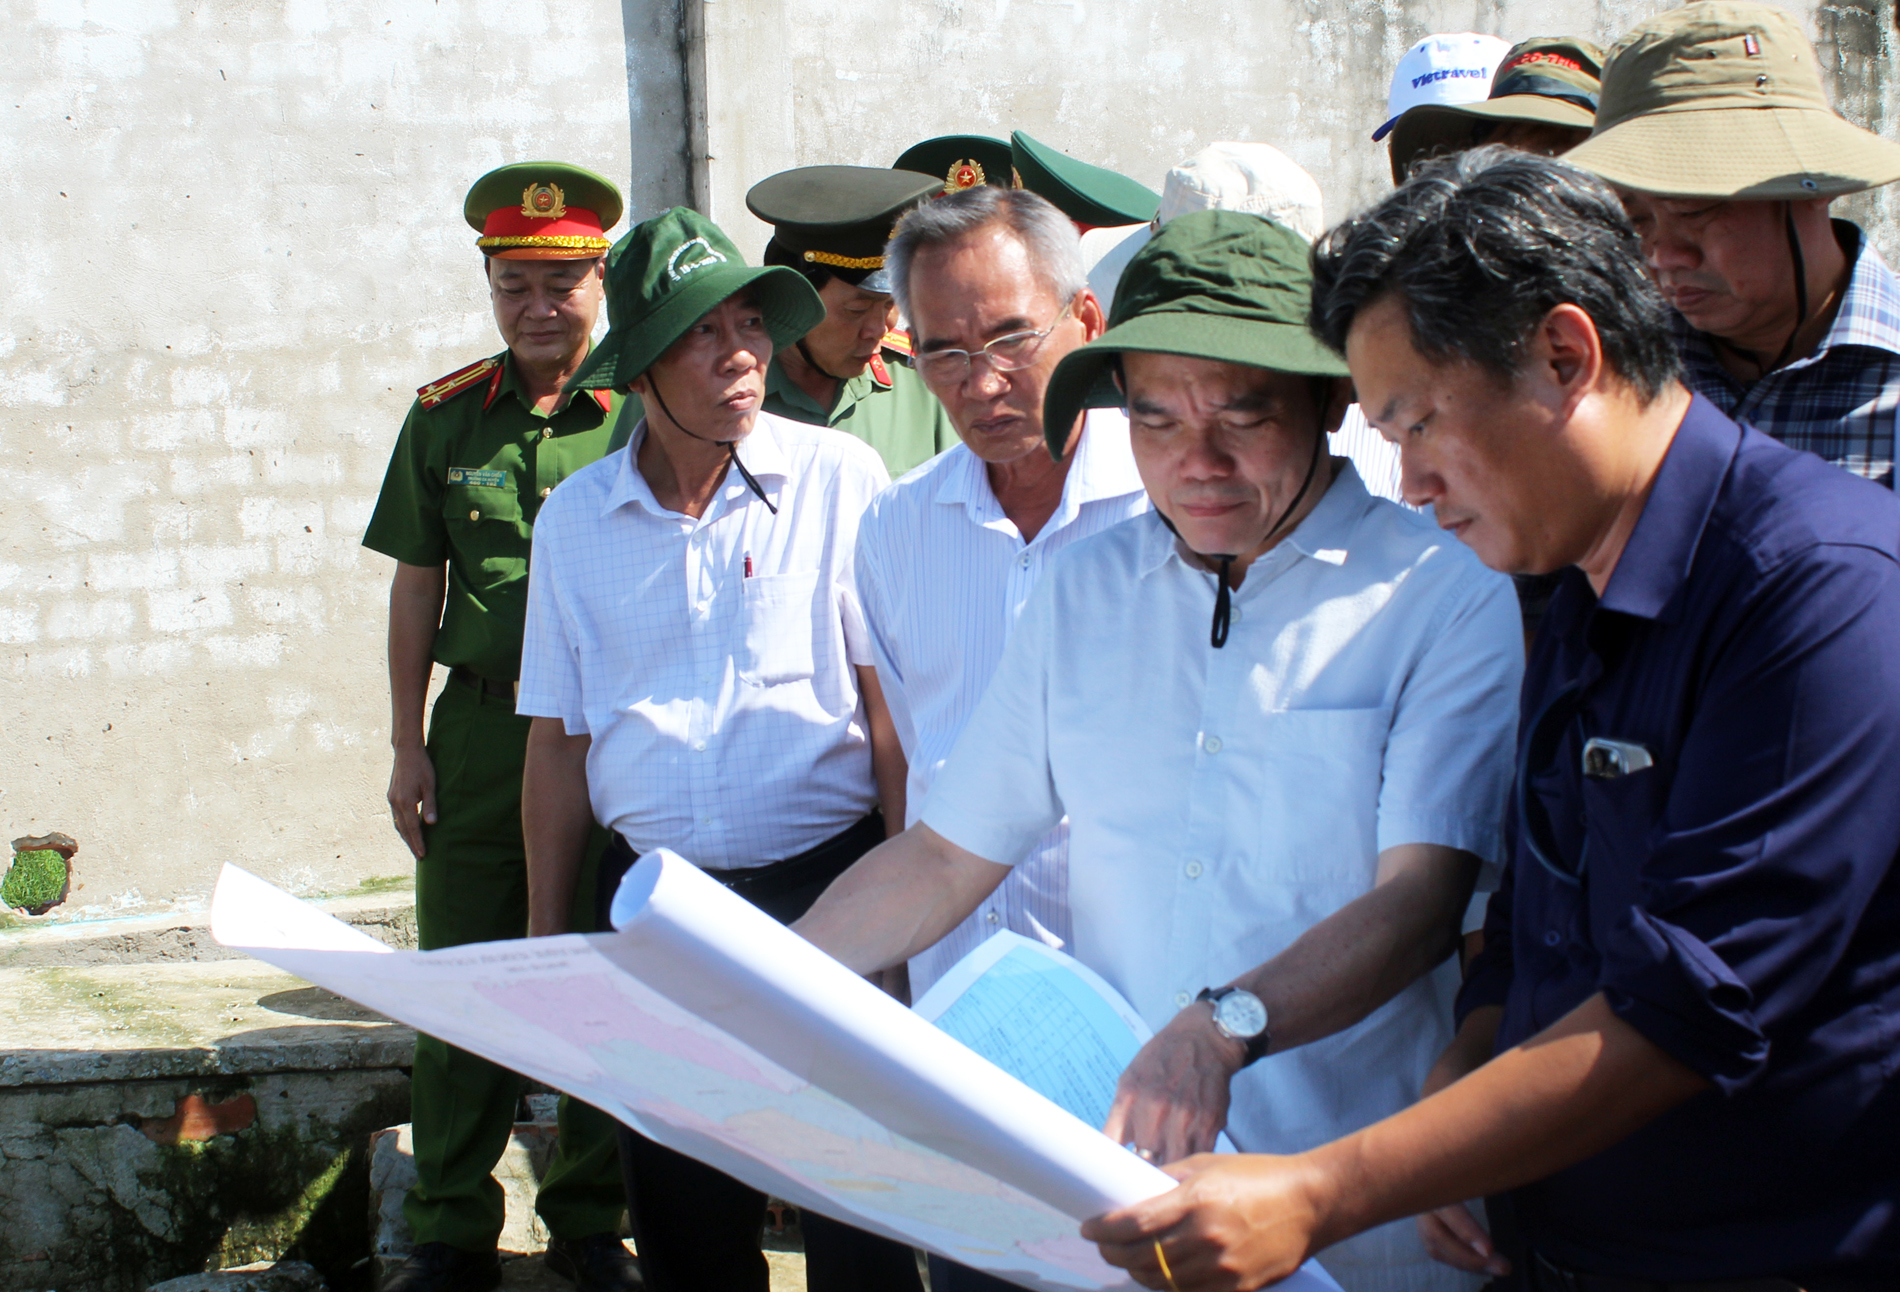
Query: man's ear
[[1089, 311], [1566, 353]]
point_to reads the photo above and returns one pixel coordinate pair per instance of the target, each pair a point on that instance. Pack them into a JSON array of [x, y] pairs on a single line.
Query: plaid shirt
[[1843, 400]]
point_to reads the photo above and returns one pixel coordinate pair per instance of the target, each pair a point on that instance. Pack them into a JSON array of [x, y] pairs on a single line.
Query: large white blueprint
[[709, 1027]]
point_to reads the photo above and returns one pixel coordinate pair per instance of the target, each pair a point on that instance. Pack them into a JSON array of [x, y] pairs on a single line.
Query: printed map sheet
[[710, 1028]]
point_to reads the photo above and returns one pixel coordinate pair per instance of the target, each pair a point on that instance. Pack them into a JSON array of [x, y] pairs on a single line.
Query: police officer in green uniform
[[830, 223], [480, 450]]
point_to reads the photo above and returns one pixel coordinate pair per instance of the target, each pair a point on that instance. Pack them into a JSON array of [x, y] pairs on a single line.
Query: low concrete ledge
[[159, 1021]]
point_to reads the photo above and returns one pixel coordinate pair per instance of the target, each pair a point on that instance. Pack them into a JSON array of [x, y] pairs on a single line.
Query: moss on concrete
[[35, 880]]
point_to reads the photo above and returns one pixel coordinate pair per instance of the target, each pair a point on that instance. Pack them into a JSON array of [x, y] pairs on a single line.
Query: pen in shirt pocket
[[748, 565]]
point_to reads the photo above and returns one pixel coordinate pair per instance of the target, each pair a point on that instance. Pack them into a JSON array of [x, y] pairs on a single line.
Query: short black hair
[[1480, 247]]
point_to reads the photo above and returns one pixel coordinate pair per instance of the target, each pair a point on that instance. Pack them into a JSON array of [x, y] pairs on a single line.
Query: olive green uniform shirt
[[464, 485], [899, 418]]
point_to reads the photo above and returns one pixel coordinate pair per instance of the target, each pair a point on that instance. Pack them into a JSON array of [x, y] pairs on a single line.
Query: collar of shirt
[[510, 384], [781, 387], [1656, 559], [760, 450], [1325, 534], [1869, 316], [1101, 470]]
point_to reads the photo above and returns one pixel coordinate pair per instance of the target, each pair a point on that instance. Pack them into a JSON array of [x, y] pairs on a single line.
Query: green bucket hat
[[669, 272], [1092, 196], [1723, 99], [1224, 285]]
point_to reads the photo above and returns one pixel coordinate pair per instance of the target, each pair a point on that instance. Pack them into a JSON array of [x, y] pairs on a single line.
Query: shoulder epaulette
[[898, 343], [446, 388], [879, 373]]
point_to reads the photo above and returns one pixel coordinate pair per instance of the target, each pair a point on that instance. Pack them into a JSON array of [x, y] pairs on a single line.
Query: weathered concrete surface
[[235, 248], [392, 1173], [272, 1276], [388, 914], [1139, 86], [157, 1120], [142, 1022]]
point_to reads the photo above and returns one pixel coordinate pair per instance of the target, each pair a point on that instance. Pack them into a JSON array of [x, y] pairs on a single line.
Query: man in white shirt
[[1279, 715], [991, 281], [699, 675]]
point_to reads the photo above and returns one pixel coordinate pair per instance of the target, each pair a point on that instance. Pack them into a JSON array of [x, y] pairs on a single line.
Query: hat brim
[[787, 302], [1773, 154], [1084, 379]]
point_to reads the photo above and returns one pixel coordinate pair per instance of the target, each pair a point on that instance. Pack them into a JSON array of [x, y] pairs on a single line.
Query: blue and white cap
[[1446, 68]]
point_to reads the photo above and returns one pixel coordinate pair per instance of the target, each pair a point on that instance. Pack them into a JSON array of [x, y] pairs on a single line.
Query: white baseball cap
[[1258, 178], [1446, 68]]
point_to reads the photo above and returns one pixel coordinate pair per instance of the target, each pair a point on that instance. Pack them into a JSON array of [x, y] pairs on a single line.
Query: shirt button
[[1551, 938], [545, 492], [1024, 561], [699, 746], [1182, 1000], [1211, 744], [992, 917], [1194, 870], [475, 515], [546, 431]]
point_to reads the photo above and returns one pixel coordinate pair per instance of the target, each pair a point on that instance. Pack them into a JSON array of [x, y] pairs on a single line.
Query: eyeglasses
[[1010, 353]]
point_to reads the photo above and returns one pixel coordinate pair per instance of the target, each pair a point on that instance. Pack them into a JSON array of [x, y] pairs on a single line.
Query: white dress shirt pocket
[[778, 628], [1320, 775]]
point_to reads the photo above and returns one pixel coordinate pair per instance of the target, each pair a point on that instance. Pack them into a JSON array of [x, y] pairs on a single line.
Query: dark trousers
[[698, 1229], [472, 886]]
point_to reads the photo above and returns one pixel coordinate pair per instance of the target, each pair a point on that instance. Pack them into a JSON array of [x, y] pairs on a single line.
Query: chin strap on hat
[[1223, 595], [1800, 287], [731, 447], [815, 367]]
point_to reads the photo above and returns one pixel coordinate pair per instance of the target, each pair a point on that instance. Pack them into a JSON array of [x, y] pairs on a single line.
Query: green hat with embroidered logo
[[1723, 99], [667, 274], [959, 161], [1092, 196], [1223, 285]]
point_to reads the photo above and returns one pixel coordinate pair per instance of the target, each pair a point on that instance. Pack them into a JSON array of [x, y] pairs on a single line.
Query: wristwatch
[[1239, 1015]]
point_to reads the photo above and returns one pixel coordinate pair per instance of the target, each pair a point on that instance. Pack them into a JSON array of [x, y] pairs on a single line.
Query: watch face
[[1241, 1014]]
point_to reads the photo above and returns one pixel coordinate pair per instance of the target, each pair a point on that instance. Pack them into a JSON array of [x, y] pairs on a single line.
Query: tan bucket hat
[[1723, 99]]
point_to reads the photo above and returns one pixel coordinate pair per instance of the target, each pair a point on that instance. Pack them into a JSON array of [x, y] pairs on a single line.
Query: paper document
[[707, 1026], [1044, 1017]]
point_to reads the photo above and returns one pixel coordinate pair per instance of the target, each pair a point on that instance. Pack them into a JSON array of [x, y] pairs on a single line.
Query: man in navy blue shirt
[[1677, 1052]]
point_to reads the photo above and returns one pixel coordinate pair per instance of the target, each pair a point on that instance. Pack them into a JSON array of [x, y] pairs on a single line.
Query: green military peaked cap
[[666, 275], [1089, 195], [959, 161], [1224, 285], [837, 218], [542, 211]]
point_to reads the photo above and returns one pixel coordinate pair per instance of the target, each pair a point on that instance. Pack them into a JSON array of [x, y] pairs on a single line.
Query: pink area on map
[[854, 1156], [588, 1010], [1073, 1253]]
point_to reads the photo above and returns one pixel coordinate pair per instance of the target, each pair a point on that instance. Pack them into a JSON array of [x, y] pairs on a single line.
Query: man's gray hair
[[1047, 235]]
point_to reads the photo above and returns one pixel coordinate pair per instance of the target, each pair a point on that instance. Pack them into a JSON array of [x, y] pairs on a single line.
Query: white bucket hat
[[1255, 178]]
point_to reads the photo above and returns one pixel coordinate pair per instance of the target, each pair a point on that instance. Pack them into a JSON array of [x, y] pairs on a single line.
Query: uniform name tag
[[484, 479]]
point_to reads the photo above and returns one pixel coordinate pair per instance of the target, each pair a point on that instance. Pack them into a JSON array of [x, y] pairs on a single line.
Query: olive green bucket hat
[[1723, 99], [668, 273], [1223, 285]]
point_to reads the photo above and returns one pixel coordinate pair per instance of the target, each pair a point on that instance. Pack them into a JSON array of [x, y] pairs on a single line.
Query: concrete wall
[[234, 248], [1140, 84]]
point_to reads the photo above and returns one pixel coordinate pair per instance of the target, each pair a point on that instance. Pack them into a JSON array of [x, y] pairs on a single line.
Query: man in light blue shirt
[[948, 555]]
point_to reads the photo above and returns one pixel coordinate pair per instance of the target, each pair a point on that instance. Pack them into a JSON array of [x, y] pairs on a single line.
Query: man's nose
[[986, 380], [1663, 250], [1418, 484]]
